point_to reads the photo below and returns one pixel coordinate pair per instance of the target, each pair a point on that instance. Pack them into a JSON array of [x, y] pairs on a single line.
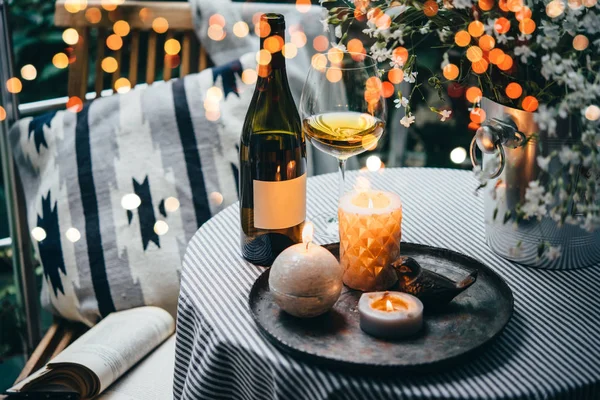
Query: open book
[[104, 353]]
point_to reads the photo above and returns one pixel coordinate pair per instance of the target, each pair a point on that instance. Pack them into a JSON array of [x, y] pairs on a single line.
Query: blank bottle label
[[281, 204]]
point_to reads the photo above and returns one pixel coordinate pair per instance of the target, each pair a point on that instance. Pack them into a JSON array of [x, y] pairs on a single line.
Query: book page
[[118, 342], [151, 379]]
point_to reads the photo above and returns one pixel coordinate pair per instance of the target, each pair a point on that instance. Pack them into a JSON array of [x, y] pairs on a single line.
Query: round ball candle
[[306, 279], [390, 315], [370, 234]]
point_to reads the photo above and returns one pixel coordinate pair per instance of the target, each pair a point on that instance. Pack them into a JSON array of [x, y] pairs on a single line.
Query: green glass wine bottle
[[272, 156]]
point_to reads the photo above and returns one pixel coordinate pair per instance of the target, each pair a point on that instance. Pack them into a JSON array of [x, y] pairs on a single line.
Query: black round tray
[[472, 319]]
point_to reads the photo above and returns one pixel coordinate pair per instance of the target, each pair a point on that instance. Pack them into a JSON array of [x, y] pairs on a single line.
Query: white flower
[[407, 121], [568, 156], [411, 78], [338, 31], [462, 3], [552, 253], [445, 114], [543, 162], [380, 54], [545, 119], [325, 25], [525, 52], [403, 102]]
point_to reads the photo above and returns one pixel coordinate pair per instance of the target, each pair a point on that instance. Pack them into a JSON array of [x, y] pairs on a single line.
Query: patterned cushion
[[115, 191]]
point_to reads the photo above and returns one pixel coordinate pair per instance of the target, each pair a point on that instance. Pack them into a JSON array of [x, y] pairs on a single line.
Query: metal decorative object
[[471, 320], [434, 290], [516, 138]]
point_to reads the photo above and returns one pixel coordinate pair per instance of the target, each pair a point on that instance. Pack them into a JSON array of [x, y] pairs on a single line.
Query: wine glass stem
[[342, 175]]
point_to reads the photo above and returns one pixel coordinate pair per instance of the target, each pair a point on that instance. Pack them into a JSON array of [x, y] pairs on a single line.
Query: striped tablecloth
[[550, 349]]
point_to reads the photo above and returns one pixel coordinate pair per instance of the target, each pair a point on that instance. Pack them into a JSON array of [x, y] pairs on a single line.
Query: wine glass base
[[326, 228]]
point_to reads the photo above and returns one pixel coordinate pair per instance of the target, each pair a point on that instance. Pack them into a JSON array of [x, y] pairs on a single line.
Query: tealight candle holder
[[370, 233], [390, 315]]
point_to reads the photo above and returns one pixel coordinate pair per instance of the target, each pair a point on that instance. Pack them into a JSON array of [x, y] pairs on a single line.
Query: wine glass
[[343, 113]]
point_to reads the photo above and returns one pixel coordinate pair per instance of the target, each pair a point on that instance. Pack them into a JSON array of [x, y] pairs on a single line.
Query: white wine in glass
[[343, 113]]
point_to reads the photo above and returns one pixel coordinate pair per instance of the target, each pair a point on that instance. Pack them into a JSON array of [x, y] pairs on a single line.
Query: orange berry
[[474, 94], [530, 104], [462, 38], [451, 72], [476, 28], [514, 90], [502, 25]]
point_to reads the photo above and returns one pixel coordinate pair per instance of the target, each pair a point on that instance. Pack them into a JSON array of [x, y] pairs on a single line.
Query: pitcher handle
[[498, 147]]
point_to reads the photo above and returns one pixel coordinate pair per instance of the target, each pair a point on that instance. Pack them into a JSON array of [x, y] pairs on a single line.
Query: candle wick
[[307, 243]]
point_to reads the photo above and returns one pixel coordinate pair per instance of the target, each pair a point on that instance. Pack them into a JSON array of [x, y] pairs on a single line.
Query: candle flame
[[389, 306], [307, 233], [371, 205]]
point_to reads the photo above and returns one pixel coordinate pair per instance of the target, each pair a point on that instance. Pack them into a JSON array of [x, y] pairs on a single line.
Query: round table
[[549, 349]]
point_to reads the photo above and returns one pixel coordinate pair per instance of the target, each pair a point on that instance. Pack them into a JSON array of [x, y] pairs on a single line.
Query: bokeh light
[[93, 15], [400, 55], [480, 67], [38, 233], [530, 104], [476, 29], [474, 54], [263, 57], [319, 62], [145, 14], [74, 104], [474, 94], [458, 155], [214, 93], [387, 89], [241, 29], [477, 115], [60, 60], [486, 5], [249, 76], [14, 85], [580, 42], [592, 112], [496, 56], [333, 75], [216, 32], [74, 6], [2, 113], [487, 43], [130, 201], [395, 75], [273, 44], [109, 65], [215, 198], [217, 19], [524, 13], [290, 50], [450, 72], [320, 43], [374, 163], [161, 227], [462, 38], [298, 38], [114, 42], [514, 5], [527, 26], [121, 28], [172, 47], [73, 235], [70, 36], [430, 8], [303, 6], [108, 5], [513, 90], [171, 204], [502, 25], [335, 55], [555, 8], [122, 85], [160, 25], [28, 72], [506, 63]]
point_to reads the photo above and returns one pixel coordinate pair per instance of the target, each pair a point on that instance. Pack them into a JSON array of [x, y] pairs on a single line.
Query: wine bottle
[[272, 156]]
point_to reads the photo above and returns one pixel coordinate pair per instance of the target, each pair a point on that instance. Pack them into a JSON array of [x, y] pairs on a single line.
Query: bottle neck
[[274, 44]]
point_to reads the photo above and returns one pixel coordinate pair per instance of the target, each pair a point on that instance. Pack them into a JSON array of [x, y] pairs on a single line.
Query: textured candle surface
[[370, 234]]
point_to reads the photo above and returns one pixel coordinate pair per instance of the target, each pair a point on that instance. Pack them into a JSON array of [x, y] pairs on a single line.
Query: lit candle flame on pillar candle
[[370, 234], [307, 233]]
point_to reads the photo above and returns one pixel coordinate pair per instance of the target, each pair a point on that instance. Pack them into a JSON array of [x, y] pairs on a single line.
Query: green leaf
[[495, 213], [507, 216]]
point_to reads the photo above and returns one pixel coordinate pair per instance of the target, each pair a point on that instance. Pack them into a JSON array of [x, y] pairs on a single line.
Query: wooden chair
[[93, 33], [140, 17]]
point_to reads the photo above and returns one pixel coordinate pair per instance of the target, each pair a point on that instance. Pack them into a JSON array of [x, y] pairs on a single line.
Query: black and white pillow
[[115, 191]]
